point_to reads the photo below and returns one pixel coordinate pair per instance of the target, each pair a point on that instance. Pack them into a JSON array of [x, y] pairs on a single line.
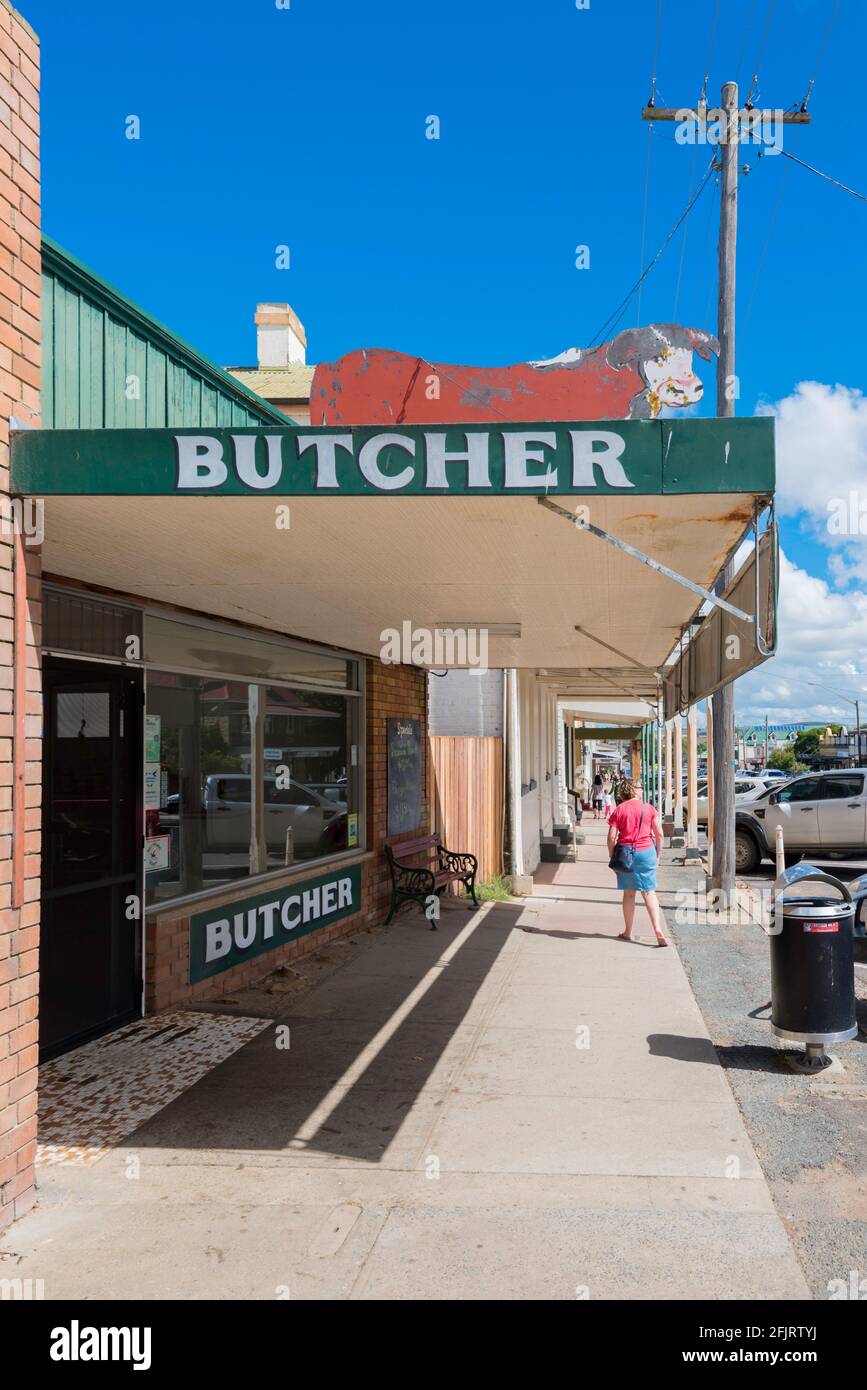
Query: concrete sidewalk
[[515, 1106]]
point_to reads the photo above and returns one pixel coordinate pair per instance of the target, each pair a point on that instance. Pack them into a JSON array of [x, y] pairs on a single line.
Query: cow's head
[[662, 354]]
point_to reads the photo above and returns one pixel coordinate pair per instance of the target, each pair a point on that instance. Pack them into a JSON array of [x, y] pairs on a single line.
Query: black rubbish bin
[[812, 964]]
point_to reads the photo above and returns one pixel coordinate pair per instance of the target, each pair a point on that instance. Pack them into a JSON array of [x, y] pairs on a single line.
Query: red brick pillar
[[20, 617], [393, 692]]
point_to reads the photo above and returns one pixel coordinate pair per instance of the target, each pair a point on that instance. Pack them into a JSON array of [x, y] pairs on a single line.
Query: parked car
[[747, 786], [821, 813]]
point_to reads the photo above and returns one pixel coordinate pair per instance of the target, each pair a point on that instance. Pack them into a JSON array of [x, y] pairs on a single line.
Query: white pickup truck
[[821, 813]]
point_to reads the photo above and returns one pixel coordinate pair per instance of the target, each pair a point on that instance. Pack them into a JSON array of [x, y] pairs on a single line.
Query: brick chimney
[[280, 336]]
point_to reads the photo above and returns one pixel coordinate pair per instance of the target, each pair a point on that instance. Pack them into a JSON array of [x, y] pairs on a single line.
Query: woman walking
[[597, 796], [635, 839]]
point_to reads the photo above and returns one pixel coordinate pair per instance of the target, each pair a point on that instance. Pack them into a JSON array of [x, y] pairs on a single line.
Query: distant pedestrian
[[598, 796], [634, 843], [608, 798]]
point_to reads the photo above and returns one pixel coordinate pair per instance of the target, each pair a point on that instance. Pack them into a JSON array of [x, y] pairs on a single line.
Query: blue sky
[[305, 126]]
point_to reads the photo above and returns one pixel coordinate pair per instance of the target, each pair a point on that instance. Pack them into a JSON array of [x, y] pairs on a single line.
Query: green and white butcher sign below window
[[228, 936]]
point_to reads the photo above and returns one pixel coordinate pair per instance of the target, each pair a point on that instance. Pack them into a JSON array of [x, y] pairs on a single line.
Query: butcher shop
[[214, 734]]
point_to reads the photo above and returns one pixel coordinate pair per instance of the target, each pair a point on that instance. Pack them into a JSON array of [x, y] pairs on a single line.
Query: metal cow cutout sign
[[631, 377]]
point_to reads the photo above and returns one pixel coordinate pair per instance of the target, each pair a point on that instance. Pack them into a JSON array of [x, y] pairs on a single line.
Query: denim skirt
[[642, 875]]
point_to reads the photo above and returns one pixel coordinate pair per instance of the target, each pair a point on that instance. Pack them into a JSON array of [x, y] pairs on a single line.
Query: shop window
[[197, 784], [190, 648], [211, 817], [310, 774]]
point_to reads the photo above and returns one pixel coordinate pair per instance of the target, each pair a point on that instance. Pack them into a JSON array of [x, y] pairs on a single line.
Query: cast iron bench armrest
[[459, 861], [412, 878]]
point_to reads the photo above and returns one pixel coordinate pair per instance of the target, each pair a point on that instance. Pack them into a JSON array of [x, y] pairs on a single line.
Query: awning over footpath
[[585, 549]]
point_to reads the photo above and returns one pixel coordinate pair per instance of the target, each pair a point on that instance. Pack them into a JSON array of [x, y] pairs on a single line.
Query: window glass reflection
[[310, 775], [197, 783]]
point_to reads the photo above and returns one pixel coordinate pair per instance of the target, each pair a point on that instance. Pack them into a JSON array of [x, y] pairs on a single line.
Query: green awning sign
[[593, 456]]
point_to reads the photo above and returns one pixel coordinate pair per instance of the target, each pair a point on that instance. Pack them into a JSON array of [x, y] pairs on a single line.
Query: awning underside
[[346, 570]]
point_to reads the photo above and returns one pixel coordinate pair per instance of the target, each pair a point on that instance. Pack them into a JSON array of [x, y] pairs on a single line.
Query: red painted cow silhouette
[[631, 377]]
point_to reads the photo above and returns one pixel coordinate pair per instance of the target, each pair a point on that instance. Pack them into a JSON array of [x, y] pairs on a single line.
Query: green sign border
[[659, 457], [199, 970]]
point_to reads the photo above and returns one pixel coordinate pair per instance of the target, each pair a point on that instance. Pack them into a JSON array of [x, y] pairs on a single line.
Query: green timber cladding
[[107, 364]]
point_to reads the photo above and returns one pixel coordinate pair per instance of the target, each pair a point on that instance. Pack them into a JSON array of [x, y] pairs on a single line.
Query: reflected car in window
[[226, 804], [313, 818]]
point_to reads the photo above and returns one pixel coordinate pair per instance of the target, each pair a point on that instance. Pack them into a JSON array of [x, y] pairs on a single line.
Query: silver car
[[820, 813], [226, 799], [747, 786]]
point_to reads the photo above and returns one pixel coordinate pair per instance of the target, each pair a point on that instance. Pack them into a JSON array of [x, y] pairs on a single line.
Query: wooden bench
[[422, 867]]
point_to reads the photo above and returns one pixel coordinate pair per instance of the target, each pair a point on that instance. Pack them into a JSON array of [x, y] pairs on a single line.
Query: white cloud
[[821, 435], [823, 634]]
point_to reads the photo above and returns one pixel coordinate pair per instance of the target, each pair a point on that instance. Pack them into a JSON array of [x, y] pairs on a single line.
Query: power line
[[836, 182], [655, 53], [683, 238], [647, 163], [744, 35], [644, 217], [701, 101], [709, 241], [820, 58], [618, 312], [762, 258], [711, 41], [821, 55], [772, 5]]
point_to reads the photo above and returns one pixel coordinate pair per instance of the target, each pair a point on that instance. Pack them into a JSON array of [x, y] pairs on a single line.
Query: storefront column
[[635, 758], [669, 785], [710, 821], [678, 773], [691, 779], [513, 758]]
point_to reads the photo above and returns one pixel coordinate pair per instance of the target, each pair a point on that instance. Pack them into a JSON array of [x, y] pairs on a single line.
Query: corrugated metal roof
[[290, 383], [106, 363]]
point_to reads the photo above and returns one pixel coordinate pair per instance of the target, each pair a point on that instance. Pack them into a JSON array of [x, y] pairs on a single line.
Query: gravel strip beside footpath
[[810, 1134]]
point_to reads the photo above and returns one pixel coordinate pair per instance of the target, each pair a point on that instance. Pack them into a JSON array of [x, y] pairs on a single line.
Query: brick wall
[[167, 946], [20, 615], [392, 692]]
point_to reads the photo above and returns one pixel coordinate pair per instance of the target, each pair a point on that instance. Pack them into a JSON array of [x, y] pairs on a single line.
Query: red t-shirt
[[633, 821]]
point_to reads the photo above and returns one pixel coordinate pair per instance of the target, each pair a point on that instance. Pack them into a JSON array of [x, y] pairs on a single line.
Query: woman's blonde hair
[[632, 786]]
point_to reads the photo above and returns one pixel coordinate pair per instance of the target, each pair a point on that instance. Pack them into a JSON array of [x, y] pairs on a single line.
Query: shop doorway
[[90, 948]]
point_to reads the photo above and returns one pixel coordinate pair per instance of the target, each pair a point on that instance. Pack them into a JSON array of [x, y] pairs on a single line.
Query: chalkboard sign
[[404, 775]]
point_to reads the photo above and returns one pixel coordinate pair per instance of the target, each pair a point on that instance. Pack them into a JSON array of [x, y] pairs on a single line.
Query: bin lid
[[819, 907], [803, 873]]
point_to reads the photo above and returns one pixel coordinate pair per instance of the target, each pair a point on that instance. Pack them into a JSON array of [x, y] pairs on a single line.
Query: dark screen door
[[90, 948]]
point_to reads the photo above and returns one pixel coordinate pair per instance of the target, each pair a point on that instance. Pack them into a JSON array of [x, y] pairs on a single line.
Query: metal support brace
[[648, 560]]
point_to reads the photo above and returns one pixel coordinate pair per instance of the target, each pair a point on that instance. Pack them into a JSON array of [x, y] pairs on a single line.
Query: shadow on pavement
[[682, 1049], [401, 1001]]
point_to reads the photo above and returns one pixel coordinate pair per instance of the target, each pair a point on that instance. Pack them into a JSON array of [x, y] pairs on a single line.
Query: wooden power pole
[[729, 118], [722, 702]]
